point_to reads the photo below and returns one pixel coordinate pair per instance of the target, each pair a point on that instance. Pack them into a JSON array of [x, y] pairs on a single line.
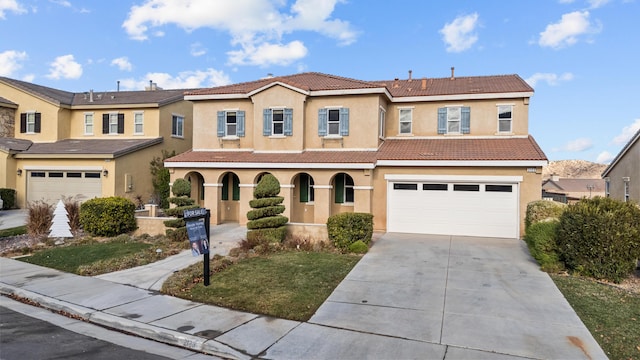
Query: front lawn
[[289, 285], [612, 315], [20, 230], [91, 257]]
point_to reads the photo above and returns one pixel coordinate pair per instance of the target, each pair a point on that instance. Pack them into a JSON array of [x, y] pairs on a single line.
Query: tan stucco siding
[[132, 175], [278, 97], [484, 117], [627, 166], [205, 124], [8, 174]]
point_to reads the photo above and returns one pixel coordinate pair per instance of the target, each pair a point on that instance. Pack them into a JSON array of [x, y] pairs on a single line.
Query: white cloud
[[604, 157], [566, 1], [184, 80], [253, 25], [197, 49], [578, 145], [567, 30], [65, 67], [550, 78], [594, 4], [10, 5], [122, 63], [63, 3], [266, 54], [10, 62], [626, 133], [459, 34]]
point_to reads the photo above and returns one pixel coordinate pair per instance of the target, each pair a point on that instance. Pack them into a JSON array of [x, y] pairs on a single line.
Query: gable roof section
[[55, 96], [94, 148], [7, 103], [14, 145], [621, 154], [404, 152], [575, 185]]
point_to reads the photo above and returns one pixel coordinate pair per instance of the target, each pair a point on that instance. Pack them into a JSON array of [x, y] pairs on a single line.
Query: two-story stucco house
[[439, 156], [622, 176], [57, 143]]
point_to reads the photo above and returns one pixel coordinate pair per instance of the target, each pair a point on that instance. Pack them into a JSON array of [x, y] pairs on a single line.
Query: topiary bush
[[108, 216], [346, 228], [8, 197], [266, 224], [600, 238], [181, 187], [541, 210], [541, 240], [182, 190], [359, 247]]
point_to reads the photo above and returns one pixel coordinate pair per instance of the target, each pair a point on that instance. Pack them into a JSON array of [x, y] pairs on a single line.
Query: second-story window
[[454, 120], [30, 122], [177, 126], [88, 123], [138, 123], [406, 118], [505, 117], [382, 123], [277, 122], [627, 188], [113, 123], [231, 123], [333, 122], [607, 187]]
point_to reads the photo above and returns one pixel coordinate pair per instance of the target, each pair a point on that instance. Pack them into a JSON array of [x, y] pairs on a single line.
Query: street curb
[[166, 336]]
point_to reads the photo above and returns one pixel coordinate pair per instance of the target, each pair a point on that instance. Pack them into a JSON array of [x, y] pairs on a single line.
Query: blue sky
[[581, 56]]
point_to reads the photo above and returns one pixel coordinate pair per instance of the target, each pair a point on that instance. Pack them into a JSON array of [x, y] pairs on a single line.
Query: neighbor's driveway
[[447, 297]]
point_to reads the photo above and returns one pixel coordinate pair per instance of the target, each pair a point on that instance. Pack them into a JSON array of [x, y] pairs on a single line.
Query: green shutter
[[236, 187], [225, 187], [304, 188], [339, 188]]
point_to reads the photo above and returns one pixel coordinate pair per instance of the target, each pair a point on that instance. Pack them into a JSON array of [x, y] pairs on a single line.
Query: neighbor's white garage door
[[470, 208], [51, 186]]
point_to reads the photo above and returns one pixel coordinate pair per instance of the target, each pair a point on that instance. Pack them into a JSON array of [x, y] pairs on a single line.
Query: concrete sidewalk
[[410, 297], [12, 218]]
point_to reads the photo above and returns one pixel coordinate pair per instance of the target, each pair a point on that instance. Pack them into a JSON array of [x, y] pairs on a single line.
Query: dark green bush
[[600, 238], [181, 187], [265, 222], [179, 211], [541, 240], [181, 201], [8, 198], [178, 234], [265, 212], [346, 228], [541, 210], [108, 216], [175, 223], [359, 247]]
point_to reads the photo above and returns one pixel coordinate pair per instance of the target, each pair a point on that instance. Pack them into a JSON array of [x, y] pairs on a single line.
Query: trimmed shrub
[[541, 210], [40, 215], [541, 240], [178, 234], [359, 247], [265, 224], [8, 198], [181, 201], [175, 223], [181, 187], [600, 238], [179, 211], [108, 216], [346, 228]]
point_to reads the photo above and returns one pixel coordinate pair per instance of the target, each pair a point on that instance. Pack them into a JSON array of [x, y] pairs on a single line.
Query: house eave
[[248, 165], [463, 163], [458, 97]]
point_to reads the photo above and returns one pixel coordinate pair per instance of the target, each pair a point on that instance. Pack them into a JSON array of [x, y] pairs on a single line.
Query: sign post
[[198, 230]]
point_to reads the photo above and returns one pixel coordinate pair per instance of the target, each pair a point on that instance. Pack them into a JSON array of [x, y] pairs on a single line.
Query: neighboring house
[[569, 191], [622, 176], [86, 145], [440, 156]]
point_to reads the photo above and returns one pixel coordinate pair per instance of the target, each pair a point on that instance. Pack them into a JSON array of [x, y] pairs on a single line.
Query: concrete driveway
[[445, 297]]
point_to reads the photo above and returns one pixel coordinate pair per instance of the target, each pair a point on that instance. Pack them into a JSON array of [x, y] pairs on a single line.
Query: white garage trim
[[485, 206], [51, 185]]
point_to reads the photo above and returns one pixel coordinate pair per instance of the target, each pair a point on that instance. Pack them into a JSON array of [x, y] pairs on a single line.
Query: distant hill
[[575, 169]]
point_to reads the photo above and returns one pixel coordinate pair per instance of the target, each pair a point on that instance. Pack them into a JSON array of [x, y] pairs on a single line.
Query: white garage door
[[468, 208], [51, 186]]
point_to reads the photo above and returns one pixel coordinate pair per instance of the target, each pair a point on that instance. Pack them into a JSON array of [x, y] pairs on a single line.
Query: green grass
[[612, 315], [71, 258], [20, 230], [289, 285]]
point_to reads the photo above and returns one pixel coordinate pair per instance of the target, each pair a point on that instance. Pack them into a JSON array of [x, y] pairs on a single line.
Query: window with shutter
[[225, 186], [23, 123], [322, 122], [344, 189], [236, 188], [105, 123], [120, 123], [288, 122], [37, 122]]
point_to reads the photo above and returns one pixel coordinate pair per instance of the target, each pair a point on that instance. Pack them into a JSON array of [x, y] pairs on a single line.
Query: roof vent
[[410, 75], [424, 84], [91, 95], [395, 83], [453, 69]]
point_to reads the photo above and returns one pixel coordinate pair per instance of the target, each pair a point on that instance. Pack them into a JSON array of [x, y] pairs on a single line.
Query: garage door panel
[[51, 186], [469, 213]]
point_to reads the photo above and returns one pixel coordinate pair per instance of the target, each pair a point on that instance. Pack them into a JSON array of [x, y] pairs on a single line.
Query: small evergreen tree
[[160, 179], [181, 191], [266, 225]]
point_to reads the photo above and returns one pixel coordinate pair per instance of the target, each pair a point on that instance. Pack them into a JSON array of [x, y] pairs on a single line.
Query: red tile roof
[[493, 149], [313, 81]]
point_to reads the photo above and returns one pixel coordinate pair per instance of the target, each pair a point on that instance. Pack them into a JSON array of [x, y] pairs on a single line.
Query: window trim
[[177, 127], [607, 187], [113, 115], [31, 122], [86, 115], [135, 124], [382, 119], [343, 122], [410, 121], [334, 122], [627, 189], [340, 181]]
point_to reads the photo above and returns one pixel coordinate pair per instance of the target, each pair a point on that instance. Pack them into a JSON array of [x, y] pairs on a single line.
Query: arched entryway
[[229, 203], [343, 195], [197, 187], [302, 200]]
